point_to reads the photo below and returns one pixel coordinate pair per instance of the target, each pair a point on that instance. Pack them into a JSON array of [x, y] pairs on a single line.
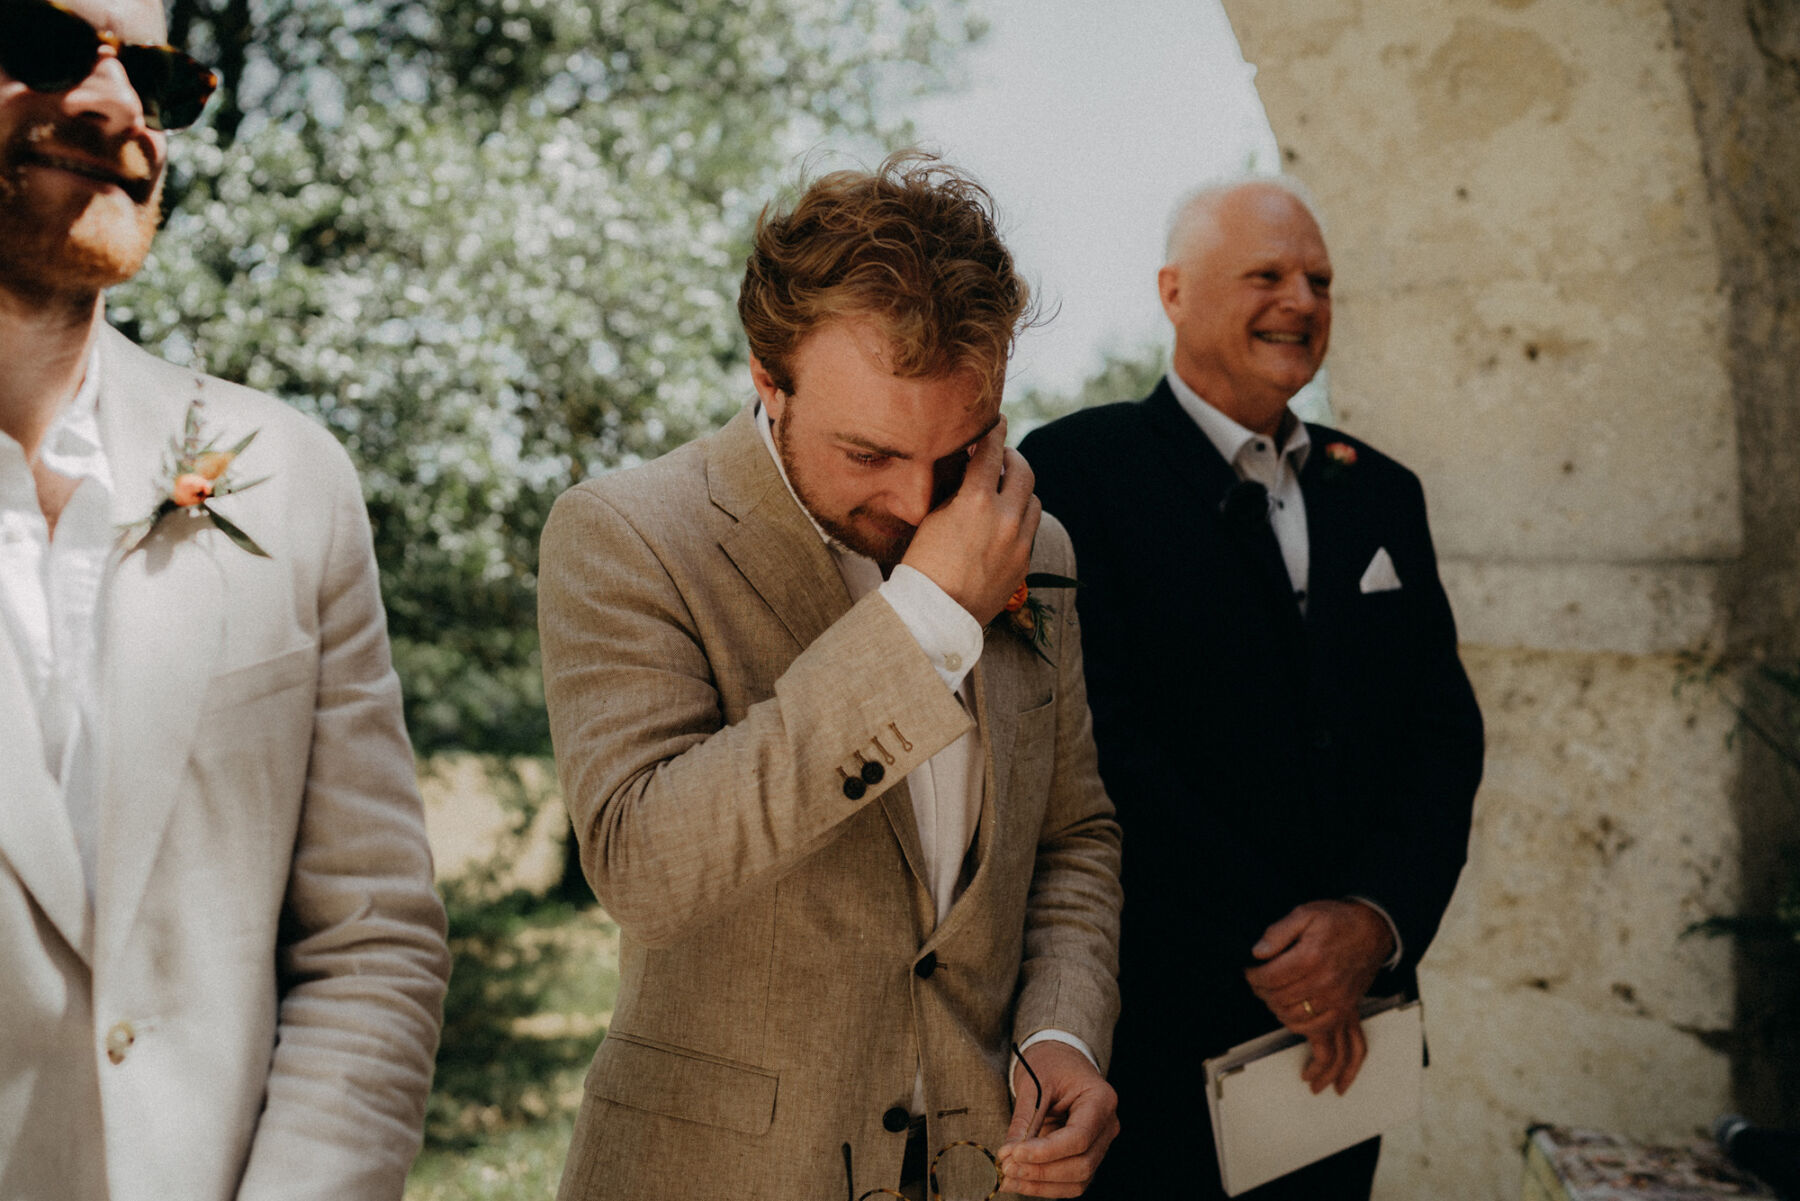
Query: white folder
[[1268, 1122]]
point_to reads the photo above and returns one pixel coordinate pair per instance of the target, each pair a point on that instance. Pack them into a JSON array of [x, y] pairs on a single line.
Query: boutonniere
[[1340, 457], [195, 472], [1026, 614]]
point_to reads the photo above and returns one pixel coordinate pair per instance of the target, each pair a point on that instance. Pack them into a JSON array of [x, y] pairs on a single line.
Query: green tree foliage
[[494, 246]]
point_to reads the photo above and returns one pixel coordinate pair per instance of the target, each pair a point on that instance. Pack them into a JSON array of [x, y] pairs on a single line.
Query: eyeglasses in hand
[[960, 1169]]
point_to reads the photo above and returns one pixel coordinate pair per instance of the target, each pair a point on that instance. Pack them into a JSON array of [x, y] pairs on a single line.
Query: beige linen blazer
[[711, 689], [250, 1006]]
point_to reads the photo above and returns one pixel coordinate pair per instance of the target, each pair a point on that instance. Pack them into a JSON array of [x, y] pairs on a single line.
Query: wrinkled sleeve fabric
[[1069, 977], [678, 811], [362, 961]]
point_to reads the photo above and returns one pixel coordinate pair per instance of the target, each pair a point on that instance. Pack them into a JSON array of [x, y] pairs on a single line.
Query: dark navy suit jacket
[[1259, 757]]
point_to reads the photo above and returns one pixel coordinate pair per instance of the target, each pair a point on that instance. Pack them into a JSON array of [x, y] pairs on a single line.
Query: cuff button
[[118, 1041]]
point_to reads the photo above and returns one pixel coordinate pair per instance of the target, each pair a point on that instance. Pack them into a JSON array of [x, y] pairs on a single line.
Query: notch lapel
[[163, 633], [36, 837], [1206, 476], [773, 543], [1336, 535]]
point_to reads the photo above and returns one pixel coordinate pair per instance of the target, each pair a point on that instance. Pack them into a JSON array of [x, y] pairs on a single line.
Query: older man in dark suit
[[1282, 719]]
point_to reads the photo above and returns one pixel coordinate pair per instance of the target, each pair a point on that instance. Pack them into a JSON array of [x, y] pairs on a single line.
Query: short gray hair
[[1197, 205]]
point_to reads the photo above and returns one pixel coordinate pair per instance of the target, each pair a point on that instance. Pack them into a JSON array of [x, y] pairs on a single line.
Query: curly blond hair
[[911, 246]]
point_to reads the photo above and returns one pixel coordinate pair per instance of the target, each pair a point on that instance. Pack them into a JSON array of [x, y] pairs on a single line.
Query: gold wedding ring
[[1307, 1005]]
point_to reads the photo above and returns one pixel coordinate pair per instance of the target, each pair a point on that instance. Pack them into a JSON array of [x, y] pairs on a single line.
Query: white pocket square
[[1379, 575]]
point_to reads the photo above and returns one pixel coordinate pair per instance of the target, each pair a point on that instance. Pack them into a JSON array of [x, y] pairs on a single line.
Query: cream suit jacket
[[250, 1006], [711, 690]]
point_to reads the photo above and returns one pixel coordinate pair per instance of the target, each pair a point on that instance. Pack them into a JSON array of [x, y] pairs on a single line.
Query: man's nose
[[106, 97], [1300, 295], [913, 494]]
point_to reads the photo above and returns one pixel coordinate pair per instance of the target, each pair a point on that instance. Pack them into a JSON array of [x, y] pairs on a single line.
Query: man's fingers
[[1061, 1163], [989, 457], [1024, 1110], [1019, 481], [1358, 1051], [1068, 1141], [1321, 1066], [1275, 979], [1280, 936]]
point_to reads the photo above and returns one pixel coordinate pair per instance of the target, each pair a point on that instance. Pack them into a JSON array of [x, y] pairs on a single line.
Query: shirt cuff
[[944, 630], [1399, 947], [1051, 1036]]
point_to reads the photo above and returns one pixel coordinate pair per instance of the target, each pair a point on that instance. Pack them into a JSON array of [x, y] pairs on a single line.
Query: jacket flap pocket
[[679, 1084]]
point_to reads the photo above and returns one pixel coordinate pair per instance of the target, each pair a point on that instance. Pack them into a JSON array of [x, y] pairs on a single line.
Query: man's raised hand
[[976, 546]]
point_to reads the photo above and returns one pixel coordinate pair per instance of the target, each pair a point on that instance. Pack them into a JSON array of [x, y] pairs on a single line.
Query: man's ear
[[1168, 286], [773, 398]]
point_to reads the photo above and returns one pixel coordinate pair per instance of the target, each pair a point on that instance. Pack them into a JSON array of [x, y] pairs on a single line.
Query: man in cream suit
[[1281, 714], [221, 956], [842, 804]]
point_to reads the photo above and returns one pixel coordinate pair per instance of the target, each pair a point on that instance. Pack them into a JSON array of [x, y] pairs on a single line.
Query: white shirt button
[[953, 662]]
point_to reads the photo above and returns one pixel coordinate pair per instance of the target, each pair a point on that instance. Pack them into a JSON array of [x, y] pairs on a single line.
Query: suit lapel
[[35, 835], [1334, 535], [1204, 474], [781, 556], [896, 804], [773, 543], [163, 631], [997, 717]]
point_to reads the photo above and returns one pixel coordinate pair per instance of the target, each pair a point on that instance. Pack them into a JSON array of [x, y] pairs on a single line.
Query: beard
[[881, 536], [78, 244]]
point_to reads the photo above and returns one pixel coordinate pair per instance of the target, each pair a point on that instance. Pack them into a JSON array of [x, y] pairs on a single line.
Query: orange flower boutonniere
[[1340, 457], [198, 471], [1027, 615]]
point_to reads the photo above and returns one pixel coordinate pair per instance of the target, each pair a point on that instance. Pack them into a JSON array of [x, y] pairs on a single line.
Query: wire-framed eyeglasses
[[959, 1170]]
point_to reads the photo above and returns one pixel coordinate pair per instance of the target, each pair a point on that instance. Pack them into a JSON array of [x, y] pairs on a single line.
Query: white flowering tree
[[495, 246]]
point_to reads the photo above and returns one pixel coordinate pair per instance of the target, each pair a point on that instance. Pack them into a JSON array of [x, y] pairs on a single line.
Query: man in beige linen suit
[[221, 956], [845, 812]]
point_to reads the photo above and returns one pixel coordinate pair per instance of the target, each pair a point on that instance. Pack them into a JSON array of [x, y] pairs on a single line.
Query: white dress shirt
[[50, 596], [1277, 467], [946, 788]]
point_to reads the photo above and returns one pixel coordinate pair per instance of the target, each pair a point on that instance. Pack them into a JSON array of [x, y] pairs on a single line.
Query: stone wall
[[1552, 223]]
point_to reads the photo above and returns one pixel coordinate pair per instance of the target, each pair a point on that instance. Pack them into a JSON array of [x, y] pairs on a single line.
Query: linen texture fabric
[[250, 1006], [783, 979]]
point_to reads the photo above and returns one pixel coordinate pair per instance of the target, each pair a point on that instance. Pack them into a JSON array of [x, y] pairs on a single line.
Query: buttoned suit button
[[872, 772], [854, 788], [896, 1119], [1322, 740], [119, 1040], [926, 966]]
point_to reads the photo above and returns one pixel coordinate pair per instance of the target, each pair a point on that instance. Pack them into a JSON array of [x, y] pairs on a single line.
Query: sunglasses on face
[[49, 49]]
